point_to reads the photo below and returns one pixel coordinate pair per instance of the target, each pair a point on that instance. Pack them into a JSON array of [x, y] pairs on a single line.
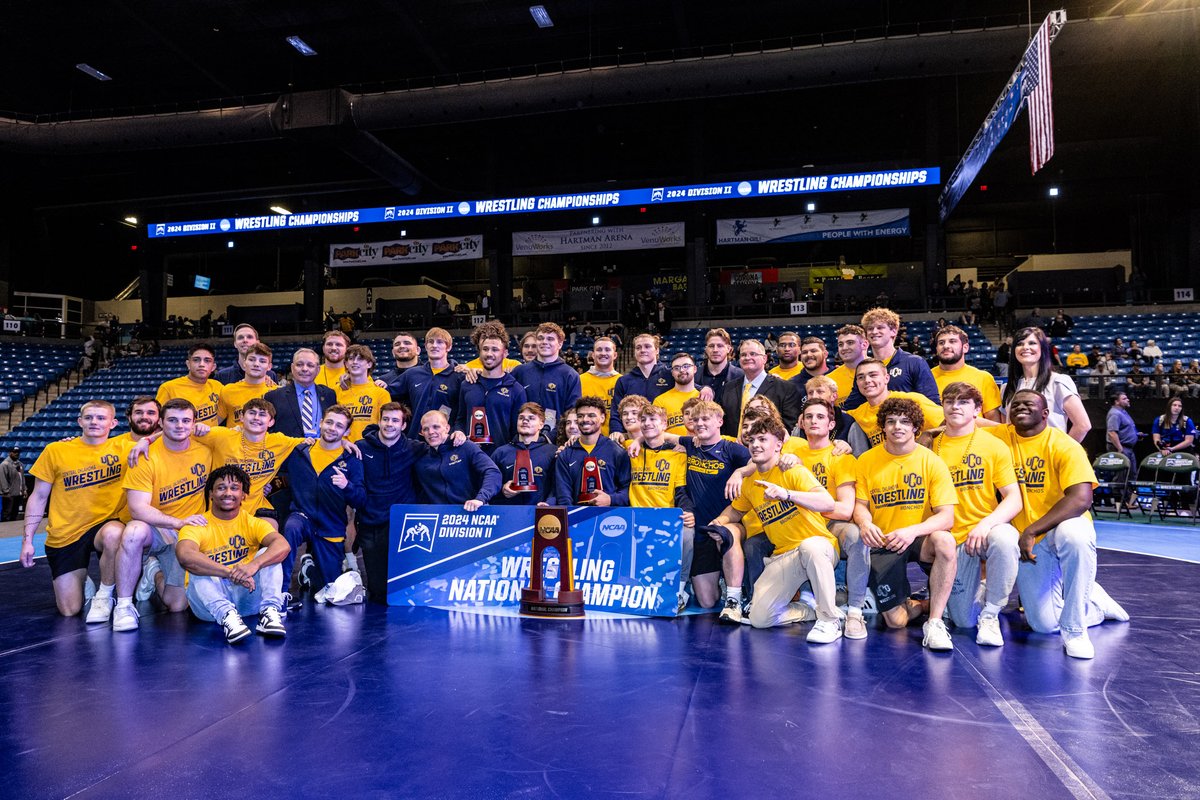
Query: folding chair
[[1175, 485], [1112, 477]]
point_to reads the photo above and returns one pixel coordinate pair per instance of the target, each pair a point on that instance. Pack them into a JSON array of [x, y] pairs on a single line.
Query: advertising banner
[[626, 560], [814, 227], [405, 251], [594, 240]]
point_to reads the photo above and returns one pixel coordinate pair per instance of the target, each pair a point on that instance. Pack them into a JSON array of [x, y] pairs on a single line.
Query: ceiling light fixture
[[301, 46], [541, 16], [95, 73], [131, 220], [281, 211]]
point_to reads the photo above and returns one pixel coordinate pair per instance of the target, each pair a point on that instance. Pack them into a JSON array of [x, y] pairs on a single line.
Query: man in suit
[[752, 357], [291, 419]]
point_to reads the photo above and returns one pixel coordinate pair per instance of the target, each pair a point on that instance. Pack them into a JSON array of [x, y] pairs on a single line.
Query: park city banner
[[814, 227], [405, 251], [626, 560], [596, 240]]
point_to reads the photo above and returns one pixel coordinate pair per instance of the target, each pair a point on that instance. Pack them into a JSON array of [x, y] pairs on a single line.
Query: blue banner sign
[[768, 187], [626, 559]]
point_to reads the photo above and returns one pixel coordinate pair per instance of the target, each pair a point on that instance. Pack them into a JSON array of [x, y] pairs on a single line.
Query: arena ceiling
[[209, 106]]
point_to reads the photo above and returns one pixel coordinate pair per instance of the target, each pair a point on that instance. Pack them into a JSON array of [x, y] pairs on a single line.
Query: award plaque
[[550, 530], [523, 473], [590, 484], [479, 426]]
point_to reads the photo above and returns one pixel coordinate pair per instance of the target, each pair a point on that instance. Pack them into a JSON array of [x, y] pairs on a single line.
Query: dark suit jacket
[[287, 408], [782, 393]]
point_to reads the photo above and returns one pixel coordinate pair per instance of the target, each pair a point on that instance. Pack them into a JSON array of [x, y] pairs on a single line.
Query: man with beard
[[952, 347], [814, 357], [787, 350], [496, 390], [614, 466], [143, 414], [407, 352], [333, 347]]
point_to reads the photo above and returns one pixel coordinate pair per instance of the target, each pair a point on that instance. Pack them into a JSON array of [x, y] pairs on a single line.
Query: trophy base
[[486, 440], [586, 497], [568, 604], [513, 488]]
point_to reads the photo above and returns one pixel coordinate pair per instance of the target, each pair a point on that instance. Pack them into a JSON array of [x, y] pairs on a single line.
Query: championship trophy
[[479, 426], [590, 484], [523, 473], [550, 530]]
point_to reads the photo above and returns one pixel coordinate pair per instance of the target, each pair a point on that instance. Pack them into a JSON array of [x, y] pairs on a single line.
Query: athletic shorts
[[163, 548], [889, 573], [706, 558], [77, 554]]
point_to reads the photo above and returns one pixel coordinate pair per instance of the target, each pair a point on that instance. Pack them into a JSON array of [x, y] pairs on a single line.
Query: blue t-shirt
[[708, 468], [1173, 435]]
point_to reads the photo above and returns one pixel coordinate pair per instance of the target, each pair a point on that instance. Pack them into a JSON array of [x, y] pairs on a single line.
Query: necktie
[[306, 413]]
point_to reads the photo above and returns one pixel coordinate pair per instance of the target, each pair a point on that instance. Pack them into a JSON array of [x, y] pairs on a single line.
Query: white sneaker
[[100, 610], [125, 619], [681, 602], [855, 626], [732, 612], [1078, 645], [1111, 608], [145, 586], [797, 612], [936, 635], [824, 632], [270, 624], [304, 569], [235, 629], [988, 633]]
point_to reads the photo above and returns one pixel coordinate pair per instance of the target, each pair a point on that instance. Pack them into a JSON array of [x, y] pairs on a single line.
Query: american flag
[[1036, 86]]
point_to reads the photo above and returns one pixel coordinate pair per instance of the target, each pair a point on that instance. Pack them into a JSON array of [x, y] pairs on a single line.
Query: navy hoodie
[[387, 476], [634, 382], [500, 397], [541, 455], [553, 386], [422, 391], [615, 472], [452, 475], [317, 498]]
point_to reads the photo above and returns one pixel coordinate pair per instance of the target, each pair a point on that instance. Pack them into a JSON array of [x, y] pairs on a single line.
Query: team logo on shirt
[[662, 382], [110, 460], [418, 531], [454, 459], [821, 474], [365, 399], [502, 391], [659, 476], [551, 387], [912, 493], [213, 397], [235, 552], [895, 372], [1033, 473]]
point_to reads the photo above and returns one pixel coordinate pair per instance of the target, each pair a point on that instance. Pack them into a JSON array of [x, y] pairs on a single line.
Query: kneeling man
[[229, 575]]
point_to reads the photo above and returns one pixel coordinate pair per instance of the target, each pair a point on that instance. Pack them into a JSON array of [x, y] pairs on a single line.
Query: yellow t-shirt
[[85, 486], [364, 402], [205, 397], [672, 400], [844, 378], [656, 475], [594, 386], [983, 381], [787, 374], [174, 480], [508, 364], [903, 490], [1046, 465], [228, 541], [785, 523], [236, 395], [866, 415], [322, 458], [832, 471], [329, 376], [979, 465], [261, 460]]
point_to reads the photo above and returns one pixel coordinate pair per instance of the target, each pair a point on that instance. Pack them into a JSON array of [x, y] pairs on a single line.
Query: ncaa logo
[[418, 531], [612, 527], [656, 195], [744, 188], [224, 225]]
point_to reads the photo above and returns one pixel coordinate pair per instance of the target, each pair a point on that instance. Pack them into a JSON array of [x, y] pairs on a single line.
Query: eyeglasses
[[683, 367]]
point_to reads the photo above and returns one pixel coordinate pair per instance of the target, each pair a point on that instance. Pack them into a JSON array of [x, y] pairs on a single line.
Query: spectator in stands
[[1094, 356], [12, 484], [1106, 370], [1193, 378], [1134, 351], [1118, 349], [915, 347], [1033, 320], [1059, 327], [1159, 381], [244, 339], [1138, 381], [616, 332], [1076, 360], [1029, 367], [1152, 353], [1173, 431], [662, 318], [967, 317], [1177, 379], [771, 344]]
